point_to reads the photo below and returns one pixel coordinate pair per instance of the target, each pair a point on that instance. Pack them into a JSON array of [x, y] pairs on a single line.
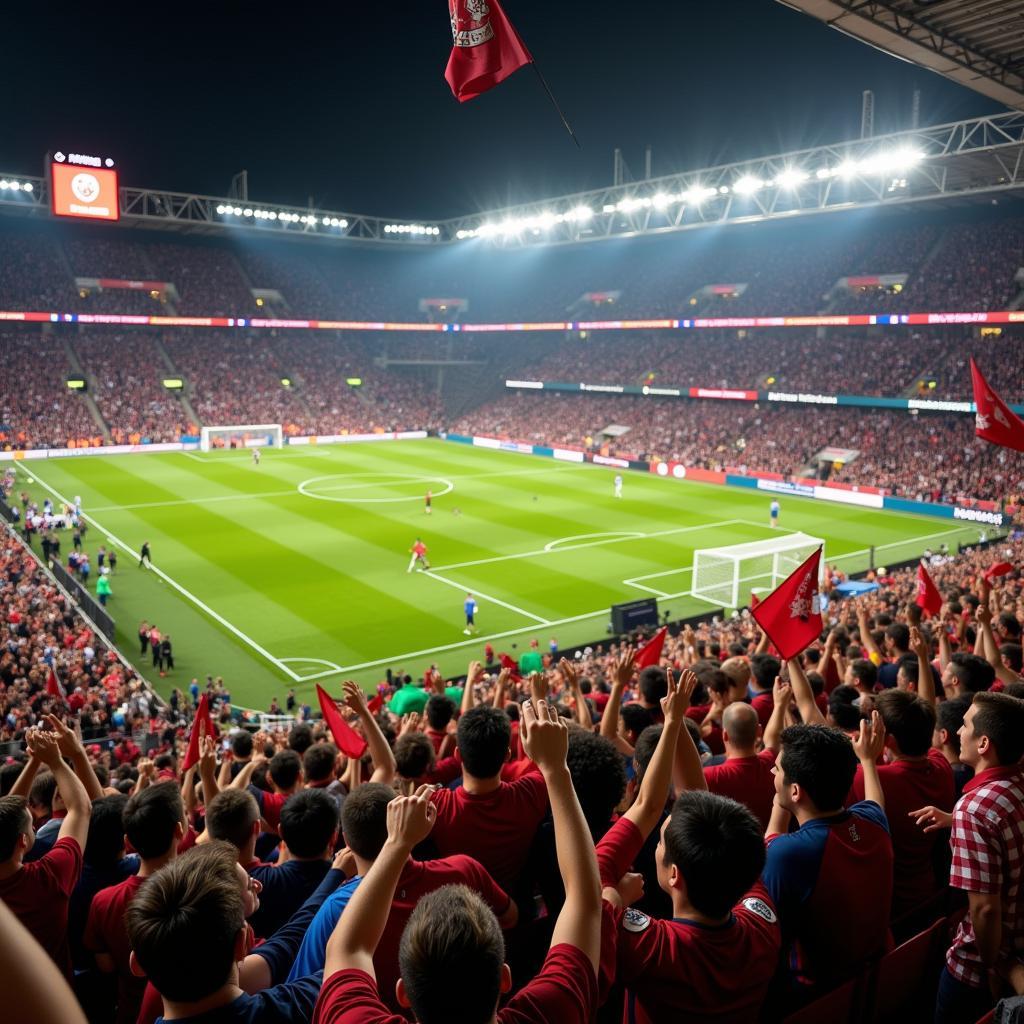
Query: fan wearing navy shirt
[[831, 879], [708, 861]]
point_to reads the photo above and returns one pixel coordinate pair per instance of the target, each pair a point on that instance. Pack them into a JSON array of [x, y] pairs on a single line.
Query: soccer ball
[[31, 480]]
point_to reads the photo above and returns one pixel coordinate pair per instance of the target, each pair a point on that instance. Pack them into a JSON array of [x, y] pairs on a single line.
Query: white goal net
[[245, 435], [725, 576]]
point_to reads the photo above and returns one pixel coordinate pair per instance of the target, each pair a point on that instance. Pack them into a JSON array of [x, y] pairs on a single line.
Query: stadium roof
[[978, 43]]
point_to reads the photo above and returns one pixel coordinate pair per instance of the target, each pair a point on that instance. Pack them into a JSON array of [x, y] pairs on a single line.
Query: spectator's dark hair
[[414, 755], [285, 768], [102, 775], [300, 738], [972, 671], [765, 669], [309, 822], [42, 791], [165, 763], [151, 818], [439, 711], [231, 814], [8, 776], [865, 672], [843, 709], [646, 744], [452, 933], [899, 634], [635, 718], [821, 761], [1014, 656], [184, 922], [15, 820], [717, 845], [364, 819], [484, 736], [908, 719], [1015, 689], [1001, 719], [598, 776], [1009, 625], [318, 762], [241, 744], [950, 716], [104, 845], [909, 667], [653, 684]]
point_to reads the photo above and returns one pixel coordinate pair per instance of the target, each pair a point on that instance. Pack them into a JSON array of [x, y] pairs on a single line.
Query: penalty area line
[[487, 597], [187, 594]]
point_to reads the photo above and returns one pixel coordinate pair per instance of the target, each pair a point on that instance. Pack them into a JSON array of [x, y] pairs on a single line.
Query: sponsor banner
[[117, 282], [110, 449], [735, 480], [607, 460], [931, 404], [296, 440], [785, 487], [400, 435], [728, 393], [516, 446], [803, 398], [677, 471], [921, 508], [847, 497], [487, 442], [537, 384], [567, 455], [978, 515], [669, 392], [615, 389]]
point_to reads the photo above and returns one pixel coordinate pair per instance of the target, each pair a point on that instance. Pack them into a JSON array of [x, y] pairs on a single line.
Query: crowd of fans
[[560, 839]]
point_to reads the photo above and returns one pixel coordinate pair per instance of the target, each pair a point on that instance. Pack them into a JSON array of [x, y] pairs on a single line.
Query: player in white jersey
[[618, 485], [255, 456], [773, 513]]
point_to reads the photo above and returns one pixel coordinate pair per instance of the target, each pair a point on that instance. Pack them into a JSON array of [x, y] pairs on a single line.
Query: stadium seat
[[843, 1005], [904, 980]]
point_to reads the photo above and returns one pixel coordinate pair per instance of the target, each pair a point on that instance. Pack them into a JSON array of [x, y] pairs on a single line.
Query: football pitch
[[278, 575]]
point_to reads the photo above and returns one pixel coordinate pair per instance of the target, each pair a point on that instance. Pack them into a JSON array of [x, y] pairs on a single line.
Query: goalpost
[[246, 435], [721, 574]]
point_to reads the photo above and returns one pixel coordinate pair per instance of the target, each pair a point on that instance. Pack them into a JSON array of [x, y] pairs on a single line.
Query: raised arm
[[208, 769], [782, 695], [384, 767], [868, 747], [572, 681], [867, 641], [473, 674], [925, 677], [610, 717], [23, 783], [69, 742], [546, 741], [810, 713], [990, 651], [358, 932], [76, 823], [687, 768]]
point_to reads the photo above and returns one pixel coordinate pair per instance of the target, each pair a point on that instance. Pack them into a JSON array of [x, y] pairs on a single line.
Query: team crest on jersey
[[635, 921], [762, 909], [471, 22]]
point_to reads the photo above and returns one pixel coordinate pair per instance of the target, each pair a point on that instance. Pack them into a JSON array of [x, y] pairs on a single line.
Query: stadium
[[610, 445]]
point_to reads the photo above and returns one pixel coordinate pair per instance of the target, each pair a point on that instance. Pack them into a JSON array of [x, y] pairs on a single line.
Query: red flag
[[994, 421], [53, 685], [512, 667], [202, 725], [350, 743], [999, 569], [375, 704], [790, 614], [487, 48], [754, 600], [929, 600], [650, 653]]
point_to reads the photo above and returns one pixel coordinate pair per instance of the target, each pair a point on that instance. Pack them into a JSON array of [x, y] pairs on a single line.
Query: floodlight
[[748, 184], [791, 177], [247, 212], [27, 187]]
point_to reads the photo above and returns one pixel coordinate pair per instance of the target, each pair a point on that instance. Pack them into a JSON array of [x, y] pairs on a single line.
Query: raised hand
[[67, 741], [782, 693], [43, 747], [410, 818], [918, 644], [569, 674], [474, 673], [870, 743], [539, 686], [932, 819], [676, 702], [355, 698], [345, 862], [545, 736], [410, 723], [624, 668]]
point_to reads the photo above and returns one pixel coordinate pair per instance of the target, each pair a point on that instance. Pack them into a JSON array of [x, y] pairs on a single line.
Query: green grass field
[[295, 569]]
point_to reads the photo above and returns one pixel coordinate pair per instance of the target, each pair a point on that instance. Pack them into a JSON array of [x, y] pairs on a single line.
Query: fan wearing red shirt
[[154, 822], [439, 712], [708, 861], [492, 821], [831, 879], [917, 775], [764, 670], [38, 893], [285, 772], [452, 946], [746, 775]]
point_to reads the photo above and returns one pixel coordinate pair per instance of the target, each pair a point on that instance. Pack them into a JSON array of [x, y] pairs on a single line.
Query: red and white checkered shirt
[[988, 858]]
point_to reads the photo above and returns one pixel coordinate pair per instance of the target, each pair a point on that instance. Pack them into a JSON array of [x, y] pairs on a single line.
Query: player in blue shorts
[[470, 607], [773, 513]]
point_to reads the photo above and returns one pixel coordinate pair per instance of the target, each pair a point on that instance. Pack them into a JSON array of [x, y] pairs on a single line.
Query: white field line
[[487, 597], [202, 605], [616, 539]]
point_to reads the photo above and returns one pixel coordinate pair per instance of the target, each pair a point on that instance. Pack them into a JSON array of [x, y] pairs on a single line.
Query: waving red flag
[[999, 569], [650, 653], [53, 685], [350, 743], [929, 600], [995, 421], [487, 48], [790, 614], [202, 725], [510, 665]]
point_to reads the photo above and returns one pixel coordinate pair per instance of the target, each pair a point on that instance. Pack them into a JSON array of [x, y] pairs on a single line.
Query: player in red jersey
[[419, 554]]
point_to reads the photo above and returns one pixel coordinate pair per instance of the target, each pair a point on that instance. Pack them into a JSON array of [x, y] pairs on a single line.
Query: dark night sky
[[346, 102]]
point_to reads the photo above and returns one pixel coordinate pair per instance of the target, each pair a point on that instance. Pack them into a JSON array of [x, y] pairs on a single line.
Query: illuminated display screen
[[76, 383], [354, 382], [87, 192], [173, 383]]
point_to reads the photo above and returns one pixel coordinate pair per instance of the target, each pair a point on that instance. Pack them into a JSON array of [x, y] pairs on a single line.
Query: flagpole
[[554, 103]]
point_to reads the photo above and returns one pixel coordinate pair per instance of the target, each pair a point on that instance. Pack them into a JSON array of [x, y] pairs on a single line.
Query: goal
[[720, 575], [245, 435]]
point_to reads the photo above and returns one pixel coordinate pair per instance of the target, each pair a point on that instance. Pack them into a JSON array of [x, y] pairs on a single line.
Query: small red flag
[[754, 600], [349, 742], [994, 420], [650, 653], [511, 666], [53, 685], [375, 704], [999, 569], [791, 614], [487, 48], [929, 600], [202, 725]]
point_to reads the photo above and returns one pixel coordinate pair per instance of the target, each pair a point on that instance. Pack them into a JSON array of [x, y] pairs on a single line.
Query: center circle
[[314, 487]]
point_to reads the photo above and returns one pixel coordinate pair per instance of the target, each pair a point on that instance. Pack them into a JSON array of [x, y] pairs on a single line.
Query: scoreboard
[[83, 186]]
